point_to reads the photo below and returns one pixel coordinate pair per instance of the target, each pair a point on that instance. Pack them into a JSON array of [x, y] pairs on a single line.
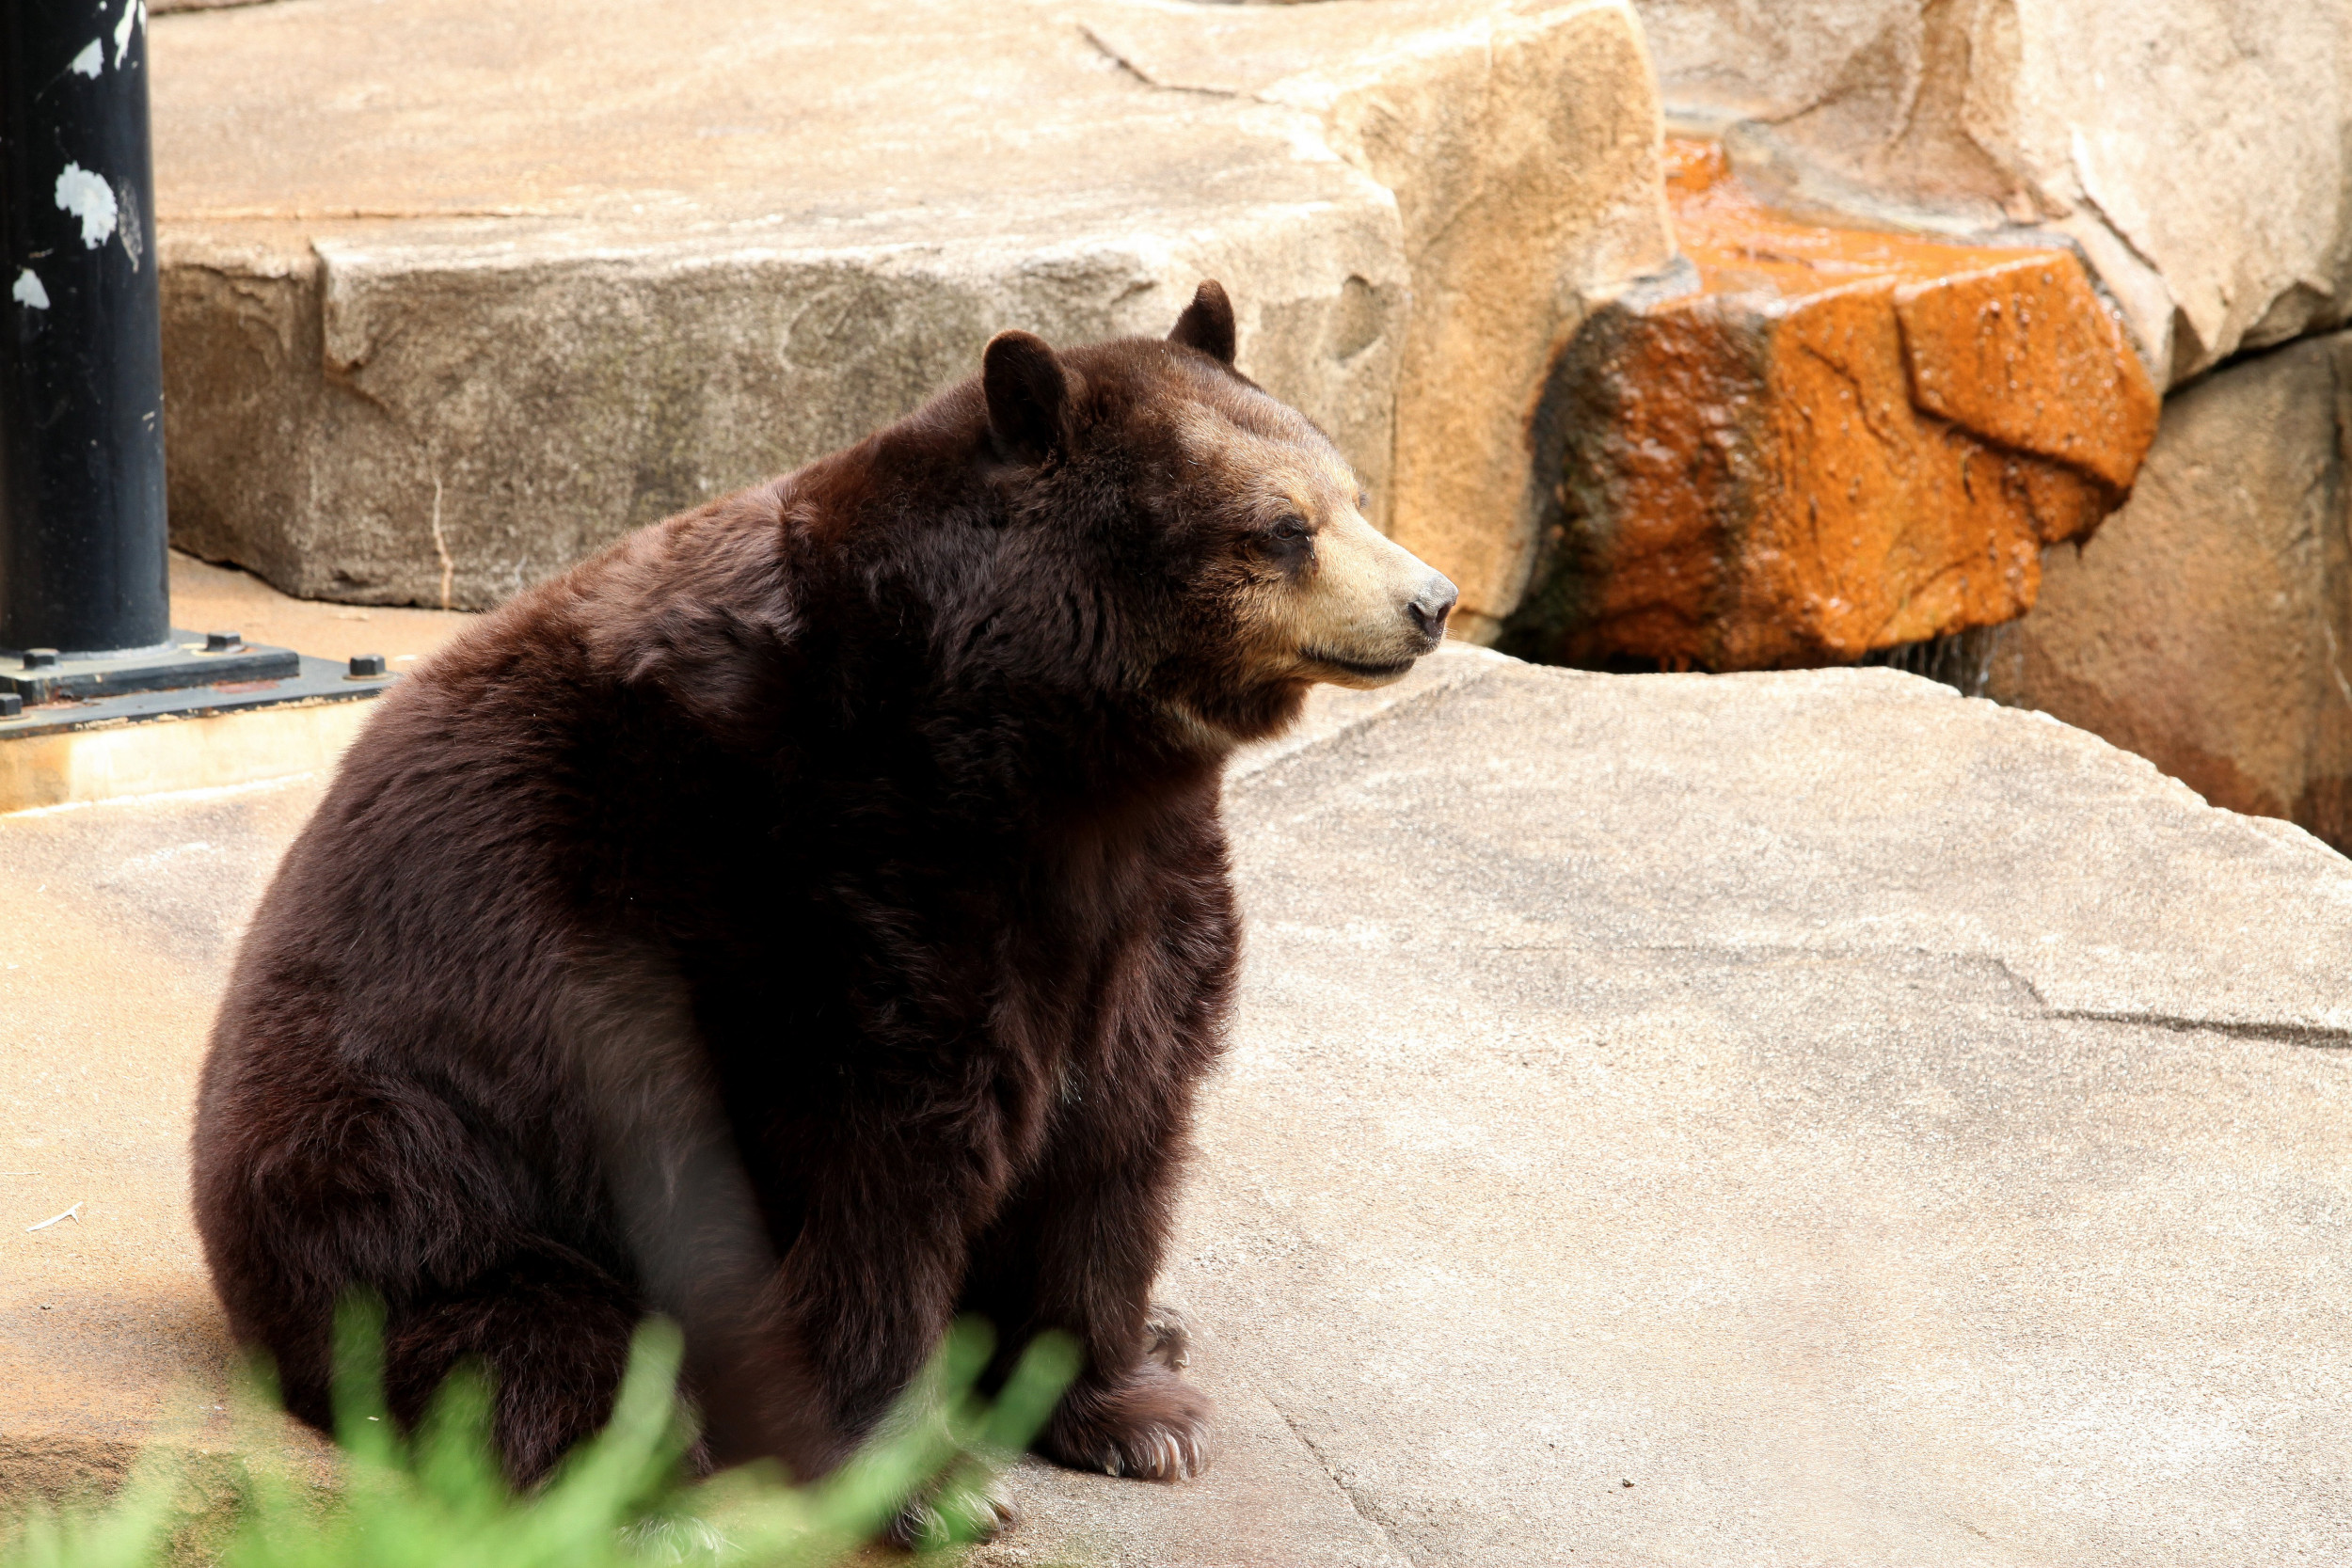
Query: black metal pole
[[82, 528]]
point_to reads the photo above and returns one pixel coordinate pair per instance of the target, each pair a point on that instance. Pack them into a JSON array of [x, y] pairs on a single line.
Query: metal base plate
[[185, 661], [79, 694]]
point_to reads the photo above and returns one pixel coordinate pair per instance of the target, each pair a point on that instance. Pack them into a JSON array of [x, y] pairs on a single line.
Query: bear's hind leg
[[550, 1330]]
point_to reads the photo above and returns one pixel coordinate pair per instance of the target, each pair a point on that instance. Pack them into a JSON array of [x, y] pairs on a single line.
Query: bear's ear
[[1029, 396], [1207, 323]]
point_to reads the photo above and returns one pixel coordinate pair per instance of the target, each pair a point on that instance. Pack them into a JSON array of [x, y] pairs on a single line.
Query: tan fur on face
[[1342, 619]]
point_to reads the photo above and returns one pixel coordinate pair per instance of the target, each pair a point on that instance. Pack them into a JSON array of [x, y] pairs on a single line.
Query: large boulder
[[2208, 625], [457, 291], [1815, 443], [2198, 150]]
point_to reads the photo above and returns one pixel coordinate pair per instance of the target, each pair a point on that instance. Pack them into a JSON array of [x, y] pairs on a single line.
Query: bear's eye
[[1290, 528]]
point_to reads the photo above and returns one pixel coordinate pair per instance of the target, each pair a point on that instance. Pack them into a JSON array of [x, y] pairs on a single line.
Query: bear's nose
[[1432, 605]]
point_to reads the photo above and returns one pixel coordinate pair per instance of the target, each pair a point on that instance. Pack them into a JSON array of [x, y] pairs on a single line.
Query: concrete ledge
[[160, 755]]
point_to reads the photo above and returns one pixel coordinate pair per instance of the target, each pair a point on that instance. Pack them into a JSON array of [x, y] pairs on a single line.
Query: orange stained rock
[[1841, 441], [2022, 355]]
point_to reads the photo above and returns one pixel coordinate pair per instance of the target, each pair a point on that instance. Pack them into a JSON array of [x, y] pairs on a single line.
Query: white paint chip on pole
[[133, 12], [89, 198], [73, 1213], [29, 291], [90, 61]]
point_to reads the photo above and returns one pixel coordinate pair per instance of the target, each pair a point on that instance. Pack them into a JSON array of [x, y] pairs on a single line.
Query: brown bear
[[808, 919]]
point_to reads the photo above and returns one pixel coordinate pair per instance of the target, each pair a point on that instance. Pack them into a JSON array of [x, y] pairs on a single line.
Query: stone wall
[[447, 311], [414, 423]]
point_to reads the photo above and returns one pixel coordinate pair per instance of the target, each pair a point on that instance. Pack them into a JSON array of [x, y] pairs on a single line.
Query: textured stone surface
[[2200, 150], [1835, 442], [1785, 1093], [121, 916], [447, 311], [2208, 625], [219, 751], [1880, 1126]]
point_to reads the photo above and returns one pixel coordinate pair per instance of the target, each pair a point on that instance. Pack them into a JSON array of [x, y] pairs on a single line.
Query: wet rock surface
[[1819, 442], [1880, 1126], [2208, 625]]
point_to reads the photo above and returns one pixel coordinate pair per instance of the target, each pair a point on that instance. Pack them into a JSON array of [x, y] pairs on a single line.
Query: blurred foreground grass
[[435, 1498]]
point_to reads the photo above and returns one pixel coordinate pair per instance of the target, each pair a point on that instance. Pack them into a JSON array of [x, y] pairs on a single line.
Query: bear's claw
[[1153, 1427], [1167, 1338], [1156, 1453], [960, 1512]]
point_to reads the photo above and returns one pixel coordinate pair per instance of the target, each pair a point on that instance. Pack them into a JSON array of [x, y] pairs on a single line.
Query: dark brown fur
[[808, 918]]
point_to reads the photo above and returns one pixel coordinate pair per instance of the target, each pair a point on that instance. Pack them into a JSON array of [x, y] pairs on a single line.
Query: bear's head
[[1221, 549]]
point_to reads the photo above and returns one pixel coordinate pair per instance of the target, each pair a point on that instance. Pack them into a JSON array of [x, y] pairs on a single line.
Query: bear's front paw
[[1153, 1427]]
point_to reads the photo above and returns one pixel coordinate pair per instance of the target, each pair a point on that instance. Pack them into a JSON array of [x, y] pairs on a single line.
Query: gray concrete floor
[[1879, 1127]]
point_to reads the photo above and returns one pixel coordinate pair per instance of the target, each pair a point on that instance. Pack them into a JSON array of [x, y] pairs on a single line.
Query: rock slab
[[1776, 1117], [447, 311]]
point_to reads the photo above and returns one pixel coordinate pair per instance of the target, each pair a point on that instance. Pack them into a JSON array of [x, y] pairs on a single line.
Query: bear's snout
[[1429, 607], [1370, 609]]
